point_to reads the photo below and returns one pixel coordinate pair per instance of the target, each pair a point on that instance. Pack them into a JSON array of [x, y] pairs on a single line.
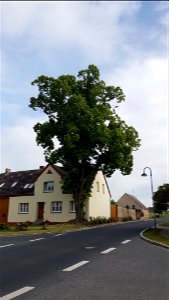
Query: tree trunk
[[82, 191], [79, 208]]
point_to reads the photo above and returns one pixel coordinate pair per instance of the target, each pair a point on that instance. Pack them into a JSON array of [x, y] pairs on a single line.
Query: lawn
[[154, 235], [39, 229]]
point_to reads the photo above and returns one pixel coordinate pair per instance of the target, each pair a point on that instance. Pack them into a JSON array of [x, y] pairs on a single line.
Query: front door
[[40, 210]]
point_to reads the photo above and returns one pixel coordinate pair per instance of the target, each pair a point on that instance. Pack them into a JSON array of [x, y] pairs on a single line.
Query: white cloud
[[19, 149], [145, 83], [42, 36], [162, 5], [94, 27]]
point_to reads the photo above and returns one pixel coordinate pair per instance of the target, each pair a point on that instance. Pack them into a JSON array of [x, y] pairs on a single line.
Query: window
[[31, 185], [57, 206], [103, 188], [48, 186], [28, 185], [23, 208], [98, 186], [49, 172], [72, 206], [13, 184]]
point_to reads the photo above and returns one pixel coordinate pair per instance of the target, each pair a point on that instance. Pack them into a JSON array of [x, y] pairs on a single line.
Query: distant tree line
[[161, 198]]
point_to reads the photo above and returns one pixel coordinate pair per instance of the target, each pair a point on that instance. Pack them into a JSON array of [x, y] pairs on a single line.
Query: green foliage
[[154, 235], [3, 227], [125, 219], [113, 202], [99, 220], [161, 198], [90, 133], [22, 226]]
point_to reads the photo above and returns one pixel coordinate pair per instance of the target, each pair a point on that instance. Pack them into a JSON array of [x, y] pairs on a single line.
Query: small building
[[36, 195], [129, 206]]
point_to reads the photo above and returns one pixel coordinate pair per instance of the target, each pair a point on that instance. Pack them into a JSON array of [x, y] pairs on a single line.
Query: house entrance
[[40, 210]]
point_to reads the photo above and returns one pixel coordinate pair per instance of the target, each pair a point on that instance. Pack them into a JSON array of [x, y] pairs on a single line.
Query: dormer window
[[13, 184], [48, 186], [31, 185], [26, 185]]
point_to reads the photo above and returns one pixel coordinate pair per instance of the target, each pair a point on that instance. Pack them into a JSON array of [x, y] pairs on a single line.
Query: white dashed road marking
[[107, 251], [73, 267], [7, 245], [36, 239], [126, 241], [89, 247], [17, 293], [58, 234]]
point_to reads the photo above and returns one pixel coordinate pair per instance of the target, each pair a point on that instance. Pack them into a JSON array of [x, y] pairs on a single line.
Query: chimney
[[7, 171]]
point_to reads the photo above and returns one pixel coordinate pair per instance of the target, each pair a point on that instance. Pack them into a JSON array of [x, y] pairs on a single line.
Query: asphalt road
[[110, 262]]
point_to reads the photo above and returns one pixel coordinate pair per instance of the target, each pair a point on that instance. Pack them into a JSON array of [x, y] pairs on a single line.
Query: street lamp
[[151, 182]]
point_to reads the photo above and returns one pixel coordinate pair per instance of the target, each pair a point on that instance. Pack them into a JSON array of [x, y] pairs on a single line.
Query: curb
[[151, 241]]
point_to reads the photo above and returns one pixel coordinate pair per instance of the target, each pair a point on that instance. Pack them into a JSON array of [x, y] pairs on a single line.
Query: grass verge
[[39, 229], [154, 235], [165, 224]]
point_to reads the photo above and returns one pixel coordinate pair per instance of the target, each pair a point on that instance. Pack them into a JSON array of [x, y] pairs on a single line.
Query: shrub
[[4, 226], [22, 226], [45, 224], [99, 220]]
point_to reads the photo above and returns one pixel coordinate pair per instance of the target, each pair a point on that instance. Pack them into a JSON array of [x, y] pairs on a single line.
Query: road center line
[[17, 293], [7, 245], [126, 241], [89, 247], [36, 239], [73, 267], [58, 234], [107, 250]]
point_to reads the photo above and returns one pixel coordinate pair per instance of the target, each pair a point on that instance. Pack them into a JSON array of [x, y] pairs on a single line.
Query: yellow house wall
[[146, 214], [123, 212], [127, 201], [15, 216], [99, 202], [55, 195]]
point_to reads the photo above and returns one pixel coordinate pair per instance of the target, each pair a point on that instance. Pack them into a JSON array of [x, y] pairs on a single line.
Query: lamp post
[[151, 183]]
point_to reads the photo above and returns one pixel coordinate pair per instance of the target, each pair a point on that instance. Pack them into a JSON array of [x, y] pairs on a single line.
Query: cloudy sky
[[126, 40]]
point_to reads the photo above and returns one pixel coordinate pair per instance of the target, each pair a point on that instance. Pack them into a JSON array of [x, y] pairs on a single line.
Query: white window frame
[[56, 206], [48, 186], [72, 206], [23, 208]]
